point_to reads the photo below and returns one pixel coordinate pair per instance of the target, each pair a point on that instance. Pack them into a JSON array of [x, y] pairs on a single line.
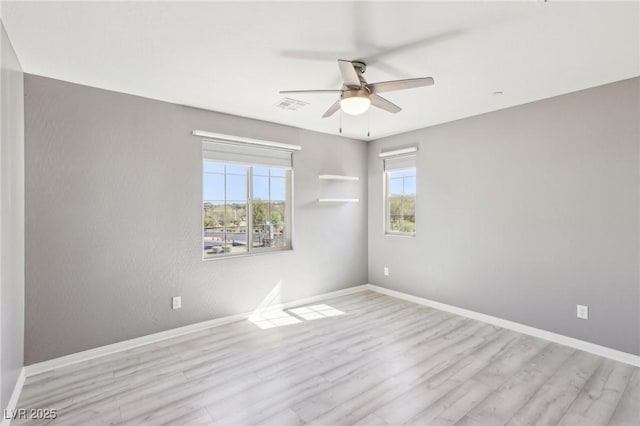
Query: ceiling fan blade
[[390, 86], [310, 91], [349, 73], [332, 109], [382, 103]]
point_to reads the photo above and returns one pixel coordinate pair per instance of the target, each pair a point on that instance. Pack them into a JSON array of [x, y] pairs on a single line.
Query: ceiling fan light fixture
[[355, 102]]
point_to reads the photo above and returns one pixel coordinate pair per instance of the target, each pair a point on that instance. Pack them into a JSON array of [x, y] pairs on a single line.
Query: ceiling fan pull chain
[[368, 123], [340, 121]]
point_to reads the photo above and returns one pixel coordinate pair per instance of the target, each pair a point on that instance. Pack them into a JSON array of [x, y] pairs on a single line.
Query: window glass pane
[[404, 173], [278, 231], [401, 201], [269, 226], [261, 223], [226, 229], [236, 169], [213, 227], [261, 171], [235, 224], [260, 188], [278, 189], [270, 210], [235, 213], [213, 214], [409, 208], [396, 186], [278, 172], [410, 185], [236, 187], [210, 167], [395, 212], [213, 187]]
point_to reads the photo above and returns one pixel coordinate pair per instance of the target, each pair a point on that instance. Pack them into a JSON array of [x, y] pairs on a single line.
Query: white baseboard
[[616, 355], [52, 364], [13, 401], [75, 358]]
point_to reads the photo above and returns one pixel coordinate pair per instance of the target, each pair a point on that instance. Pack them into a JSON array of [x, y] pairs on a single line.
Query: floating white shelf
[[339, 200], [338, 177]]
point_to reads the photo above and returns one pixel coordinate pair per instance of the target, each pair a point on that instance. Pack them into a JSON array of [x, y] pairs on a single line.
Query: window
[[246, 200], [400, 194]]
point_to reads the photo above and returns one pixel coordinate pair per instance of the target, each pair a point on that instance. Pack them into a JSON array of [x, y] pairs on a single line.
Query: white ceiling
[[235, 57]]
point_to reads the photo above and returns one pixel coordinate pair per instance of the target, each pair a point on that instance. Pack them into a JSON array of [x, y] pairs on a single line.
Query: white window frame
[[288, 219], [217, 138], [401, 155]]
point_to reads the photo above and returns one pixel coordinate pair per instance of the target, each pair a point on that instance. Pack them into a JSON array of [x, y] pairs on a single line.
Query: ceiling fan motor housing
[[355, 93], [360, 66]]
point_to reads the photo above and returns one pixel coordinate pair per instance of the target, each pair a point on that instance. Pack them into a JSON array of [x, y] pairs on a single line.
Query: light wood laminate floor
[[383, 361]]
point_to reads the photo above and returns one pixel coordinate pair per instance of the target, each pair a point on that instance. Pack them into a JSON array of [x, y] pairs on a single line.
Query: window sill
[[236, 256], [398, 234]]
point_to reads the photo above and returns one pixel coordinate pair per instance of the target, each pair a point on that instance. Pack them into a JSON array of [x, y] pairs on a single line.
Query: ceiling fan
[[357, 95]]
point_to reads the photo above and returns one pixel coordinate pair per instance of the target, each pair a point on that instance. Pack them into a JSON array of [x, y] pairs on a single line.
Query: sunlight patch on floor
[[316, 312], [270, 313], [270, 319], [278, 318]]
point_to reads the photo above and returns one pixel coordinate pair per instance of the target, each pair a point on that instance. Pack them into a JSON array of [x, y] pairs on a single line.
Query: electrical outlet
[[386, 270], [582, 312], [176, 302]]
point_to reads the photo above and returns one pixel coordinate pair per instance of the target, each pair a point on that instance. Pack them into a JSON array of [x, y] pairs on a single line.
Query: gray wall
[[113, 225], [524, 213], [11, 219]]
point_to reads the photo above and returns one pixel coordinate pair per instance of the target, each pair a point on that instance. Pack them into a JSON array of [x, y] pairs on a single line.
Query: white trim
[[399, 234], [614, 354], [338, 177], [239, 139], [13, 401], [52, 364], [398, 152], [75, 358]]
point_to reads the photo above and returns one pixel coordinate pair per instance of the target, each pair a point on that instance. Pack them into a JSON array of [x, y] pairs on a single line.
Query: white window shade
[[231, 152], [400, 162]]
